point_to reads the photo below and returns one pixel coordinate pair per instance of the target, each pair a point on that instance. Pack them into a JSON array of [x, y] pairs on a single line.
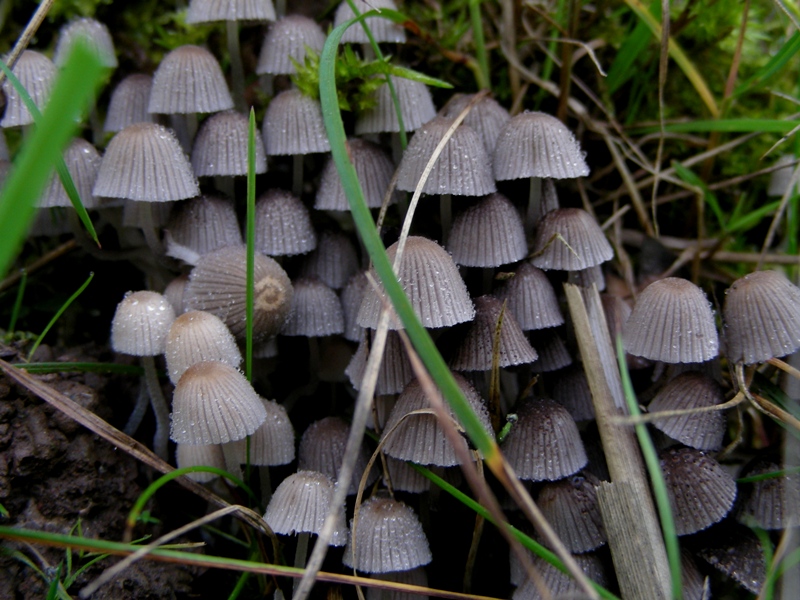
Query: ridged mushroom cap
[[561, 585], [700, 491], [94, 33], [592, 276], [83, 162], [488, 234], [387, 537], [315, 311], [737, 552], [486, 117], [535, 144], [416, 107], [420, 438], [217, 284], [210, 11], [553, 352], [477, 346], [432, 282], [352, 294], [128, 103], [213, 403], [411, 577], [762, 317], [322, 449], [333, 261], [141, 323], [395, 370], [383, 30], [293, 125], [780, 178], [196, 336], [300, 504], [273, 442], [531, 298], [220, 147], [571, 390], [283, 225], [189, 80], [584, 243], [145, 162], [288, 37], [211, 455], [544, 445], [703, 431], [374, 169], [570, 506], [202, 225], [36, 73], [771, 503], [462, 169], [672, 322], [175, 293]]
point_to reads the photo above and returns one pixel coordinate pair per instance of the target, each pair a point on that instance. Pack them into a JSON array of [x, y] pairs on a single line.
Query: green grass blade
[[724, 126], [775, 64], [632, 47], [483, 74], [708, 196], [12, 322], [753, 218], [77, 367], [72, 92]]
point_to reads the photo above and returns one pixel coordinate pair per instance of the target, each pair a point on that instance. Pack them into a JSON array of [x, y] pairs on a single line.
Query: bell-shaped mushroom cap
[[432, 282], [672, 322], [196, 336], [700, 491], [477, 346], [416, 107], [288, 38], [582, 244], [411, 577], [593, 276], [187, 455], [570, 506], [462, 169], [189, 80], [175, 293], [213, 403], [293, 125], [300, 505], [218, 285], [387, 537], [488, 234], [486, 117], [36, 73], [544, 445], [202, 225], [145, 162], [220, 147], [561, 585], [703, 431], [571, 390], [395, 371], [770, 503], [94, 34], [420, 438], [762, 317], [334, 261], [210, 11], [83, 162], [383, 30], [374, 169], [273, 442], [535, 144], [283, 225], [315, 311], [531, 298], [322, 449], [128, 103], [553, 353], [141, 323], [694, 584], [352, 294], [737, 552]]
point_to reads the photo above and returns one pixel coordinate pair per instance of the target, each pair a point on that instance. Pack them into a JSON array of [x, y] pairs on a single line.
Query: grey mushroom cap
[[351, 295], [288, 38], [570, 506], [94, 33], [531, 298], [333, 261], [36, 73], [196, 336], [141, 323], [580, 243], [374, 169], [220, 147], [395, 370], [772, 503], [315, 310], [293, 125], [210, 11], [272, 443], [128, 103], [561, 585], [283, 225], [571, 390], [553, 352], [83, 163], [416, 107], [202, 225], [737, 552], [486, 117], [383, 30]]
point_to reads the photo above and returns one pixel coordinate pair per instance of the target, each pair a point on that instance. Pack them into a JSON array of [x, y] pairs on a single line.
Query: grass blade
[[483, 74], [775, 64], [621, 69], [12, 322], [708, 196]]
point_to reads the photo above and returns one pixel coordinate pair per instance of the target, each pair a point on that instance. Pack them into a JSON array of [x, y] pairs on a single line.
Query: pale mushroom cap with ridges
[[553, 352], [220, 147], [352, 294], [175, 293], [213, 403], [211, 11], [283, 225], [772, 503], [672, 322], [301, 503], [128, 103], [145, 162], [196, 336], [217, 284], [315, 311], [561, 585], [83, 162], [762, 317], [204, 224], [432, 282], [383, 30], [780, 179], [416, 107], [584, 244], [293, 125], [141, 323], [571, 390], [187, 455], [535, 144], [531, 298], [544, 444], [462, 169], [737, 552], [334, 260], [189, 80], [273, 442], [94, 34], [388, 537], [486, 117], [488, 234], [288, 37], [374, 169], [570, 506], [395, 370], [36, 73]]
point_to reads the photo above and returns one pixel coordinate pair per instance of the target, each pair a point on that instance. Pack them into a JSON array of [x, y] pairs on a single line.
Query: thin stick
[[42, 261], [27, 35], [160, 408]]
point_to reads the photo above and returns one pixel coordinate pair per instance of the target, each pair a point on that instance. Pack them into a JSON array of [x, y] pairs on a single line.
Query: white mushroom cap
[[383, 30], [196, 336], [273, 441], [288, 38], [210, 11], [220, 147], [36, 73], [128, 103], [141, 324], [293, 125], [92, 32]]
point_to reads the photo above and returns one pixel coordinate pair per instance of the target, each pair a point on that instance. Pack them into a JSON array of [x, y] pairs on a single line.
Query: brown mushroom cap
[[583, 243], [141, 323]]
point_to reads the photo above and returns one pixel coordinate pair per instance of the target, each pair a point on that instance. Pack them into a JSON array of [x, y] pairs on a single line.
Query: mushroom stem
[[142, 402], [150, 231], [446, 215], [159, 405], [534, 204], [266, 484], [237, 68], [300, 556], [280, 8], [297, 175]]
